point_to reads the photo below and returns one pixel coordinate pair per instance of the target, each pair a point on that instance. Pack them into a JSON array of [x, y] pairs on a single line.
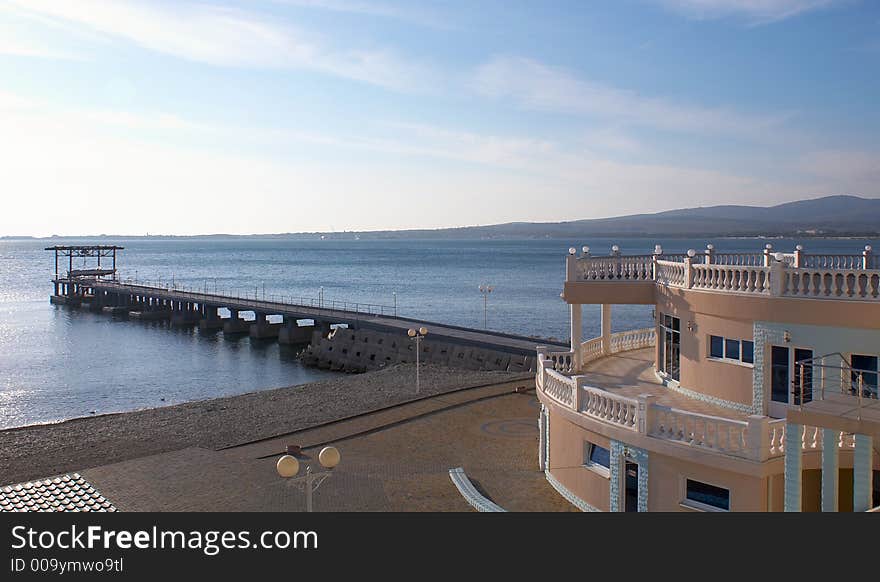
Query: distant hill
[[828, 216]]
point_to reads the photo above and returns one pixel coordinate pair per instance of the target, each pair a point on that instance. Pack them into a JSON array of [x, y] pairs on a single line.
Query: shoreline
[[42, 450]]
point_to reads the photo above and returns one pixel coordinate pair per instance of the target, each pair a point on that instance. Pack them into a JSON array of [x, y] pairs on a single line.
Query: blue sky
[[135, 116]]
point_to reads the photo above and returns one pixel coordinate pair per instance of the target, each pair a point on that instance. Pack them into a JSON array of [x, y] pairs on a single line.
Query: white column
[[830, 469], [862, 473], [793, 447], [606, 328], [576, 333]]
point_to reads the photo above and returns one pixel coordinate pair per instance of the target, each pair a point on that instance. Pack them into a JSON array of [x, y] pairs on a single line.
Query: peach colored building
[[756, 389]]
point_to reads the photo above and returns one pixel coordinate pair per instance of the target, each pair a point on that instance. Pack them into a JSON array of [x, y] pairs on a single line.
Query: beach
[[36, 451]]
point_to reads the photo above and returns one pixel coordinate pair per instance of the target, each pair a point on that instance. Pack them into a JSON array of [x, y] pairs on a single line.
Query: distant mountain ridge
[[826, 216]]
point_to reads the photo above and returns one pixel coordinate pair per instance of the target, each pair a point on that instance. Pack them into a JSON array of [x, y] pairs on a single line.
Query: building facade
[[756, 389]]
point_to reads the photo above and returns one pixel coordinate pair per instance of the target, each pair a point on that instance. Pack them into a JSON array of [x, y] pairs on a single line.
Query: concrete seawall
[[364, 350]]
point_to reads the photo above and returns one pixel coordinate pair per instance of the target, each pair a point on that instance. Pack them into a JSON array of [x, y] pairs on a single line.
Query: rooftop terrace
[[769, 272]]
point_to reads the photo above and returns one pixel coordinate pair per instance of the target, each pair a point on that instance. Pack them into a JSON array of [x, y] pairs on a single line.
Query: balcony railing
[[756, 438], [797, 274]]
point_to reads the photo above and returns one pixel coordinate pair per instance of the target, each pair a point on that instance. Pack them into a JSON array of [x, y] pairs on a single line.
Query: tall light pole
[[418, 336], [288, 467], [485, 289], [395, 302]]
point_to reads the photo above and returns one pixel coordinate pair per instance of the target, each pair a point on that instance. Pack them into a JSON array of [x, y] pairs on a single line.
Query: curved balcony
[[618, 388], [797, 274]]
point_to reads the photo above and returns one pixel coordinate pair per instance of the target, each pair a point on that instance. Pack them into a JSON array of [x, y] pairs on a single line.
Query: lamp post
[[418, 336], [288, 467], [395, 302], [485, 289]]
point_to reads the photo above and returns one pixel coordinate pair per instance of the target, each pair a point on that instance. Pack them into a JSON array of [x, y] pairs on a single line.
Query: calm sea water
[[57, 363]]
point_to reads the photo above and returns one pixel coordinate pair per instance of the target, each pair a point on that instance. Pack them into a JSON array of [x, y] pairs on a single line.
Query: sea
[[58, 363]]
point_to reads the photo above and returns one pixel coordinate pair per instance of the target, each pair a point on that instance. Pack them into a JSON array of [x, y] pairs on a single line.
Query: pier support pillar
[[262, 329], [235, 325], [210, 318], [291, 333]]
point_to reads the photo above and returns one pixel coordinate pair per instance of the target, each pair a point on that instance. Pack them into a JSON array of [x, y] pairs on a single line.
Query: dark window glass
[[676, 324], [716, 346], [866, 367], [600, 456], [748, 352], [708, 494], [779, 386], [667, 320], [731, 349]]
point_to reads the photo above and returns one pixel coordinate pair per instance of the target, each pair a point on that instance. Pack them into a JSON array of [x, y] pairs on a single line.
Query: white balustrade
[[616, 268], [591, 350], [811, 439], [734, 279], [562, 361], [611, 408], [559, 387], [671, 273], [858, 284], [701, 430], [634, 339], [797, 274]]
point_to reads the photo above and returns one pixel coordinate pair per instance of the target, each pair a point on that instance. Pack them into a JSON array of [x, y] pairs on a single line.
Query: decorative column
[[606, 328], [830, 469], [862, 473], [793, 462], [866, 258], [616, 487], [576, 321], [543, 440]]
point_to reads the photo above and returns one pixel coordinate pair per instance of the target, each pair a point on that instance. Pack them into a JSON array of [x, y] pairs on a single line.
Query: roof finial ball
[[586, 250], [691, 253], [572, 250], [658, 250], [615, 249], [768, 246], [779, 257]]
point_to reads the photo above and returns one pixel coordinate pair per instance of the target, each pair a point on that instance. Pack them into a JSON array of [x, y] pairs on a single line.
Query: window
[[748, 352], [733, 350], [866, 368], [597, 458], [672, 346], [707, 496], [716, 346]]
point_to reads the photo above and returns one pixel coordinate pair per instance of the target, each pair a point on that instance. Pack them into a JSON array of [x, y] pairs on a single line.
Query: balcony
[[773, 274], [618, 388]]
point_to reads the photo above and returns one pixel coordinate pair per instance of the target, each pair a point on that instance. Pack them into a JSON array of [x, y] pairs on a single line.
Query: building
[[756, 389]]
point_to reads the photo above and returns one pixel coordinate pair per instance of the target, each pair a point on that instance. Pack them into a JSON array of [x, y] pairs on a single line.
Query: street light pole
[[395, 303], [485, 289], [288, 467], [418, 336]]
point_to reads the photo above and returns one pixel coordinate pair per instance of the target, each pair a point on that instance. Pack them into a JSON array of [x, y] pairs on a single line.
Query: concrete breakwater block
[[362, 350]]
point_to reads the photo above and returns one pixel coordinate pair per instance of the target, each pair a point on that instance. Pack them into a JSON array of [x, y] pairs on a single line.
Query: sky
[[267, 116]]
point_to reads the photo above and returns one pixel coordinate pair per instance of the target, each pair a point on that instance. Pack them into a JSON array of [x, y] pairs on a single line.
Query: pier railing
[[255, 298], [776, 274]]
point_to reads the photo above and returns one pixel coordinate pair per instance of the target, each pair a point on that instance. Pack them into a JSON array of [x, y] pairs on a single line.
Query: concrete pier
[[340, 339]]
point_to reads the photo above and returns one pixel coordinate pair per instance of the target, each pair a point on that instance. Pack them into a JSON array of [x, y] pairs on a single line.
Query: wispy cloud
[[534, 85], [408, 12], [755, 11], [229, 37]]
